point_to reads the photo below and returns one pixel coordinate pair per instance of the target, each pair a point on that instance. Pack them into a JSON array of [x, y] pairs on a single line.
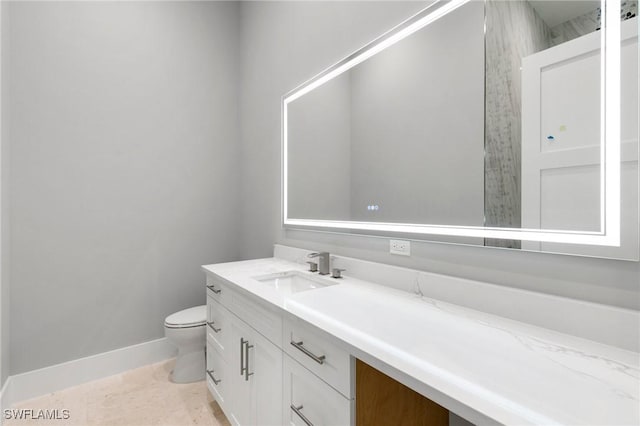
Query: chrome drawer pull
[[210, 324], [213, 289], [215, 381], [246, 360], [302, 416], [242, 367], [298, 345]]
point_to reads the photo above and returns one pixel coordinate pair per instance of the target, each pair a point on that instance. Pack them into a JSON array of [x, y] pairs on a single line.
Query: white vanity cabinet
[[316, 357], [268, 368], [243, 367]]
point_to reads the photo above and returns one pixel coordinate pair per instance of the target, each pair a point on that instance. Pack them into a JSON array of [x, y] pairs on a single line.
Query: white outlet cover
[[401, 247]]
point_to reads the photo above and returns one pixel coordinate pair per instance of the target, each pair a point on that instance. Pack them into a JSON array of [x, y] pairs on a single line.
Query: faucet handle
[[318, 254], [335, 272], [313, 266]]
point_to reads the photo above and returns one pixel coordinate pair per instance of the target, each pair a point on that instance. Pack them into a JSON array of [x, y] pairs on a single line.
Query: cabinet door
[[243, 411], [257, 379], [266, 366]]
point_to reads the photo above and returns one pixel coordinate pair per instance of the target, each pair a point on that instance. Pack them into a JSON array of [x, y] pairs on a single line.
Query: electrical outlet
[[401, 247]]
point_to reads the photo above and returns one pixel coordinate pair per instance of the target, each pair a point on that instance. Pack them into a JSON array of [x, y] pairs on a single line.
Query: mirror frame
[[609, 234]]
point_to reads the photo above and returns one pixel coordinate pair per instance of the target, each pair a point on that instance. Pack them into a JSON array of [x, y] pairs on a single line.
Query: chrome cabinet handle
[[214, 289], [298, 345], [210, 324], [215, 381], [302, 416], [246, 360], [242, 367]]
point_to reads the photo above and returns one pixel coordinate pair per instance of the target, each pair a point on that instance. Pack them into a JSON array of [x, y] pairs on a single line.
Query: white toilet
[[186, 330]]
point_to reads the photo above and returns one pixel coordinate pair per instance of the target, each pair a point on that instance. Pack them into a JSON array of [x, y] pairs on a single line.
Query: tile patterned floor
[[140, 397]]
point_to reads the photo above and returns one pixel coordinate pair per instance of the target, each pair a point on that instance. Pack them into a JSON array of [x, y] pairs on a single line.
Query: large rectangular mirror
[[499, 122]]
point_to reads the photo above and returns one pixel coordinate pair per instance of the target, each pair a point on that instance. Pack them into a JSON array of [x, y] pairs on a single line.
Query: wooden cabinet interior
[[381, 401]]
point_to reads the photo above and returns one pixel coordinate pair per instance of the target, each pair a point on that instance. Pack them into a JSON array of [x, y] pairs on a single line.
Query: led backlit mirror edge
[[609, 234]]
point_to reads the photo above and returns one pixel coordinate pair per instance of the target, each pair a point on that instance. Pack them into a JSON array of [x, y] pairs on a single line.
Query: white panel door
[[561, 143]]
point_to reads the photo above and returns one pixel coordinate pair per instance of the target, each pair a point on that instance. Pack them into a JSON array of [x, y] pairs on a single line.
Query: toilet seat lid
[[188, 317]]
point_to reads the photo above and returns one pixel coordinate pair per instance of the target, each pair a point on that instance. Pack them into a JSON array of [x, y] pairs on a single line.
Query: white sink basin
[[293, 281]]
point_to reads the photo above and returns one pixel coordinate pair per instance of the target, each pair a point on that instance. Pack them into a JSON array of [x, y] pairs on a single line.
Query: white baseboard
[[61, 376]]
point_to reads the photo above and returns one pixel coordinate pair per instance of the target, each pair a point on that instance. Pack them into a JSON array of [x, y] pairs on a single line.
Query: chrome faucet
[[323, 262]]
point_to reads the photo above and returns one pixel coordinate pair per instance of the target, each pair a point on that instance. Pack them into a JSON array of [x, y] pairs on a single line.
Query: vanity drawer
[[319, 353], [312, 398], [217, 376], [217, 288], [218, 327]]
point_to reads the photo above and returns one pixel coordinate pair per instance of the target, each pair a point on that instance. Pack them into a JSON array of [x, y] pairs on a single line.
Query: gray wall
[[4, 212], [285, 43], [123, 129]]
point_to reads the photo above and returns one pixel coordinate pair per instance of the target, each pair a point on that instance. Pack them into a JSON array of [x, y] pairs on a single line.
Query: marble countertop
[[481, 366]]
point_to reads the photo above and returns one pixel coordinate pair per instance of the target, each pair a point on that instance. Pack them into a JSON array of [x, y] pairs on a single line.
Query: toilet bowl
[[186, 330]]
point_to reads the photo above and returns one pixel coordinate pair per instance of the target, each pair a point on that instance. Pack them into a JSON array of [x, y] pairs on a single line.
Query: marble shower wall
[[514, 30], [588, 23]]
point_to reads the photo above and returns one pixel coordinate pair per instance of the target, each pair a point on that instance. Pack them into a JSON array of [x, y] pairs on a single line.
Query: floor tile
[[140, 397]]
